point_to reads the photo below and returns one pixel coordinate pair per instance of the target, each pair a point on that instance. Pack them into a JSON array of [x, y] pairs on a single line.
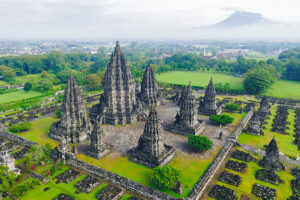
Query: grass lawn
[[2, 83], [31, 78], [190, 167], [18, 95], [248, 179], [199, 78], [284, 142], [39, 131], [280, 89], [237, 117]]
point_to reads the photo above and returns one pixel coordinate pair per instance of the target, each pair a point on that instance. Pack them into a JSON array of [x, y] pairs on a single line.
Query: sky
[[130, 19]]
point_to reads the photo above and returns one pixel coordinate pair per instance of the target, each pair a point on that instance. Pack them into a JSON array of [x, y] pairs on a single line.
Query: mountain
[[241, 19]]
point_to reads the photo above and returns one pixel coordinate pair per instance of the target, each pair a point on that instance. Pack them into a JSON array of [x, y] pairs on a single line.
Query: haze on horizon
[[141, 19]]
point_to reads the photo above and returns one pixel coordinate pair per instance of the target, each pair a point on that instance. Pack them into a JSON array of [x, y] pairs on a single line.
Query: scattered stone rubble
[[21, 154], [297, 128], [110, 192], [67, 176], [229, 178], [87, 185], [255, 126], [241, 155], [63, 196], [268, 176], [280, 121], [236, 166], [263, 192], [222, 193], [295, 185]]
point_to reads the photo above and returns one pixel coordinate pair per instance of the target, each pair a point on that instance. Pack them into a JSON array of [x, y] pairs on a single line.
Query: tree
[[37, 153], [7, 179], [58, 113], [47, 150], [56, 61], [258, 80], [165, 177], [44, 74], [221, 119], [93, 81], [199, 143], [46, 85], [27, 87], [232, 107], [20, 127]]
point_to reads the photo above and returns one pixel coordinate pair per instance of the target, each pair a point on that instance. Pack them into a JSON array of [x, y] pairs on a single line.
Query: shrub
[[165, 177], [27, 87], [221, 119], [199, 143], [58, 113], [20, 127], [233, 107]]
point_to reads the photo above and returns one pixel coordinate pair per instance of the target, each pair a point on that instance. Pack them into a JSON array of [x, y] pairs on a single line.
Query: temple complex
[[186, 121], [74, 121], [118, 102], [151, 151], [208, 105], [98, 147], [149, 89], [271, 159]]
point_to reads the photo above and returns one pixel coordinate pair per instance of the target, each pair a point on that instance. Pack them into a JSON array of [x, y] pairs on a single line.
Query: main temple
[[118, 102]]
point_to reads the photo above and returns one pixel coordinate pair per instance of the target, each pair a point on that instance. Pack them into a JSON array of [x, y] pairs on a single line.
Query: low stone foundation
[[268, 176], [241, 155], [222, 193], [230, 178], [110, 192], [236, 166], [87, 185], [263, 192], [67, 176]]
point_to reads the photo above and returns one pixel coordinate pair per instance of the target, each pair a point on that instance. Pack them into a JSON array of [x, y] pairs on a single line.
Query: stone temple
[[208, 105], [8, 161], [98, 147], [74, 121], [271, 159], [62, 151], [149, 89], [151, 151], [255, 126], [118, 102], [186, 121]]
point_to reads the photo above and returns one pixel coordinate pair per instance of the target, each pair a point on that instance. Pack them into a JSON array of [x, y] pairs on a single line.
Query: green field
[[199, 78], [284, 142], [281, 88], [32, 78], [18, 95], [39, 131]]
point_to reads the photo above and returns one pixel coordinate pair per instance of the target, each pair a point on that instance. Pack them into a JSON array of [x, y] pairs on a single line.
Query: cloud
[[126, 19]]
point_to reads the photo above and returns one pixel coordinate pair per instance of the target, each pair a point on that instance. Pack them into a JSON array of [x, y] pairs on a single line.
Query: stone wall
[[128, 184], [17, 139], [204, 181]]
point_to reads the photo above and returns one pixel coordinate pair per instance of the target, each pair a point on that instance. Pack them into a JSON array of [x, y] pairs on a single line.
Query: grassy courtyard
[[39, 131], [248, 179], [284, 142], [18, 95], [190, 167], [281, 88]]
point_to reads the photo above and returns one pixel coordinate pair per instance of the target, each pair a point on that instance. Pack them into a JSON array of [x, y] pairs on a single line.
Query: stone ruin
[[280, 121], [297, 128], [98, 147], [178, 187], [135, 198], [222, 193], [149, 89], [118, 102], [255, 126], [62, 151], [8, 145], [74, 121], [63, 196], [271, 159], [67, 176], [264, 109], [151, 151], [243, 156], [21, 154], [8, 161], [229, 178], [263, 192], [110, 192], [186, 121], [295, 185], [208, 106], [296, 172], [87, 185], [236, 166], [268, 176]]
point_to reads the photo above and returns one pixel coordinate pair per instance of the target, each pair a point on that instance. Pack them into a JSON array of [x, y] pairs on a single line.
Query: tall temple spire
[[149, 87], [186, 121], [98, 147], [208, 105], [119, 92], [74, 123], [271, 159], [151, 151]]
